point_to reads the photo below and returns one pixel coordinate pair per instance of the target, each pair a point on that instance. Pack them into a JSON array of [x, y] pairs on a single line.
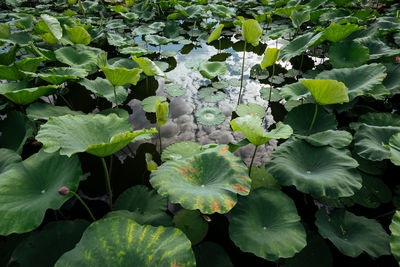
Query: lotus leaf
[[250, 109], [353, 234], [102, 87], [43, 111], [395, 236], [210, 116], [298, 17], [294, 91], [79, 35], [211, 254], [325, 171], [175, 90], [149, 67], [134, 51], [394, 146], [10, 73], [348, 54], [236, 82], [327, 91], [192, 224], [260, 177], [15, 131], [211, 70], [180, 150], [373, 192], [210, 94], [149, 104], [266, 224], [270, 57], [157, 40], [77, 57], [251, 31], [29, 64], [97, 134], [250, 127], [28, 189], [60, 75], [53, 25], [215, 34], [60, 237], [377, 48], [336, 32], [121, 76], [298, 45], [208, 181], [128, 243], [275, 94], [336, 139], [7, 158], [392, 80], [23, 93], [358, 80]]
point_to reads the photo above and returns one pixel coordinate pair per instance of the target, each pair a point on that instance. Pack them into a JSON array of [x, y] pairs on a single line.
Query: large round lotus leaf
[[7, 159], [210, 94], [395, 236], [121, 76], [15, 131], [251, 31], [358, 80], [149, 104], [23, 93], [336, 139], [250, 126], [46, 246], [392, 80], [220, 84], [175, 90], [298, 45], [28, 189], [149, 67], [29, 64], [380, 119], [134, 51], [294, 91], [394, 146], [353, 234], [192, 224], [300, 118], [324, 172], [373, 192], [208, 181], [42, 111], [60, 75], [209, 254], [211, 70], [266, 224], [348, 54], [180, 150], [102, 87], [146, 205], [96, 134], [236, 82], [77, 57], [157, 40], [327, 92], [159, 219], [336, 32], [123, 242], [210, 116], [250, 109]]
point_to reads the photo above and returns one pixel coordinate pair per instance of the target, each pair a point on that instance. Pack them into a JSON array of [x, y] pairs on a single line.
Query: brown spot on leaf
[[223, 150], [176, 265], [240, 188], [215, 206]]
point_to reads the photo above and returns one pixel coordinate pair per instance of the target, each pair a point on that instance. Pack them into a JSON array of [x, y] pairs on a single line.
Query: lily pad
[[103, 88], [28, 189], [275, 94], [15, 131], [325, 172], [348, 54], [353, 234], [175, 90], [250, 109], [180, 150], [210, 116], [149, 104], [210, 94], [395, 236], [211, 70], [60, 75], [23, 93], [336, 32], [192, 224], [266, 224], [134, 51], [208, 181], [97, 134], [121, 76], [327, 91], [130, 244]]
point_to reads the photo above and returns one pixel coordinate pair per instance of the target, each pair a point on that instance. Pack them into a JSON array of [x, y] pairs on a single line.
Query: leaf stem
[[84, 204], [82, 8], [241, 77], [270, 83], [115, 99], [252, 159], [108, 183], [159, 136], [313, 120]]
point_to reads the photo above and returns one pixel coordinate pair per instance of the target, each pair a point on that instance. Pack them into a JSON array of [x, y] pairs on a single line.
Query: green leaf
[[210, 116], [336, 32], [78, 35], [10, 73], [209, 254], [211, 70], [299, 17], [250, 126], [121, 76], [180, 150], [250, 109], [4, 31], [128, 243], [353, 234], [348, 54], [327, 92], [208, 181], [336, 139], [7, 159], [43, 111], [77, 57], [149, 104], [395, 236], [134, 51], [260, 177], [8, 57], [29, 64], [266, 224], [60, 237], [294, 91], [29, 189], [270, 57], [53, 25], [15, 131], [298, 45], [394, 147], [215, 34], [102, 87], [149, 67], [162, 111], [175, 90], [97, 134], [251, 31], [210, 94], [377, 48], [392, 80], [192, 224], [325, 172], [373, 192], [22, 93], [60, 75]]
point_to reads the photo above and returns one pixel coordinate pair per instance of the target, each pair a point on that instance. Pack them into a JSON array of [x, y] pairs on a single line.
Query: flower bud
[[397, 60], [63, 191]]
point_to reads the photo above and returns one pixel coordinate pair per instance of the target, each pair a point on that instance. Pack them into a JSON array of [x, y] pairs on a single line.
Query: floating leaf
[[210, 116], [211, 70], [348, 54], [353, 234], [270, 57], [97, 134], [121, 76], [336, 139], [23, 93], [266, 224], [210, 94], [250, 109], [215, 34], [260, 177], [294, 91], [149, 104], [180, 150], [129, 243], [208, 181], [28, 189], [60, 75], [251, 31], [327, 91], [192, 224], [134, 51], [325, 171], [103, 88], [175, 90], [275, 94]]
